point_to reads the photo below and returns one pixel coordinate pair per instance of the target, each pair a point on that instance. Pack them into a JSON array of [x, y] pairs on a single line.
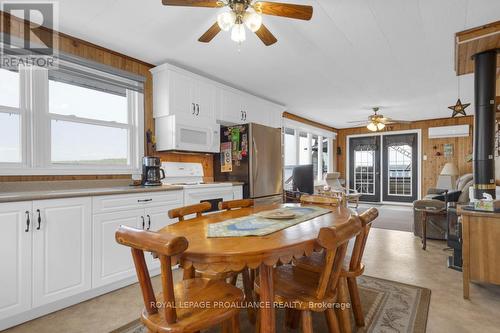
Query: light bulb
[[380, 126], [372, 127], [226, 20], [238, 33], [252, 20]]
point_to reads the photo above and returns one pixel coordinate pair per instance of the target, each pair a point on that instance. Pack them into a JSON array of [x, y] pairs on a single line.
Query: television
[[303, 178]]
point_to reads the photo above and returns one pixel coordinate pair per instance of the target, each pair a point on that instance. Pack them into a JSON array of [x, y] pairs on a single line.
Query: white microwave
[[176, 133]]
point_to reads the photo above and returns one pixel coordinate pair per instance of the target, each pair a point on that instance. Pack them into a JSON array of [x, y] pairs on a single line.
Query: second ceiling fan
[[243, 13]]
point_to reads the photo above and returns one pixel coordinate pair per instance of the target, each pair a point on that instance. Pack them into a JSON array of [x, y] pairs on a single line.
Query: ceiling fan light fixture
[[380, 126], [238, 33], [252, 20], [226, 20], [372, 127]]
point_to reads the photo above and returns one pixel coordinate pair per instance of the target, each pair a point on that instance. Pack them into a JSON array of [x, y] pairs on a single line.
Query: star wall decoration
[[458, 108]]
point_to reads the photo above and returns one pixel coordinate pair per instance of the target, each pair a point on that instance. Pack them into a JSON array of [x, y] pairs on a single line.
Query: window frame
[[36, 131], [309, 131]]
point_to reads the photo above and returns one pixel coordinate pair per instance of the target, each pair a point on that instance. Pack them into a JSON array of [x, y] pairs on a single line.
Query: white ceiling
[[352, 55]]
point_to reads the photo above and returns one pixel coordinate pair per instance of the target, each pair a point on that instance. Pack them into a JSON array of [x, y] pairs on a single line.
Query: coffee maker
[[152, 174]]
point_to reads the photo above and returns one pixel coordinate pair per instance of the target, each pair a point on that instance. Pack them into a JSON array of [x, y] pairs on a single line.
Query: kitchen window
[[10, 118], [81, 120]]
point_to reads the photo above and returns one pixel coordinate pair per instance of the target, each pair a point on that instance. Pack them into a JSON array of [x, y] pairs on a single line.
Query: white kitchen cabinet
[[61, 248], [111, 261], [15, 256], [177, 92]]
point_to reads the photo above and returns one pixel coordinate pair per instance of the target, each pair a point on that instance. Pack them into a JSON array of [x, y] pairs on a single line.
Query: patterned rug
[[389, 307]]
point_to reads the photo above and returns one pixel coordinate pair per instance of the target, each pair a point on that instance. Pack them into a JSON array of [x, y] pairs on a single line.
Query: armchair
[[437, 199]]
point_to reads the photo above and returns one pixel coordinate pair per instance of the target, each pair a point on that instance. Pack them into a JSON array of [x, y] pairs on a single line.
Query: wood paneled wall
[[108, 57], [431, 168]]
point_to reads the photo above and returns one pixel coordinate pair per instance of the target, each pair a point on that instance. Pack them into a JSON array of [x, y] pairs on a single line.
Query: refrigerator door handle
[[255, 156]]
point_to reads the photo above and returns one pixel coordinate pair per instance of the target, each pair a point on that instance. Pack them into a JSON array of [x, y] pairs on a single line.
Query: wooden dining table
[[263, 252]]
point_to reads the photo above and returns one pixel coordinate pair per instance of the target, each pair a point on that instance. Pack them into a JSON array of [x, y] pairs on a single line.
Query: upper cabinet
[[188, 109], [175, 93]]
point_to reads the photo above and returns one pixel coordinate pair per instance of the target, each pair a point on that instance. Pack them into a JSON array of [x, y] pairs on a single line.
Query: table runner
[[254, 225]]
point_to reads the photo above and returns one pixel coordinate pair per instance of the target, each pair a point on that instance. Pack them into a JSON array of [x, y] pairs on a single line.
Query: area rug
[[391, 217], [388, 306]]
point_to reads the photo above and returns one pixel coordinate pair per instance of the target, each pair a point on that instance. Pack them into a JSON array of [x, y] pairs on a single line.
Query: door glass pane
[[77, 143], [364, 171], [70, 100], [304, 153], [9, 88], [400, 170], [10, 138]]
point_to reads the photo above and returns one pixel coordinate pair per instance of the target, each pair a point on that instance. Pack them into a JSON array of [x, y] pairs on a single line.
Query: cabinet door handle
[[149, 222], [241, 115], [144, 200], [39, 219], [197, 109], [245, 113], [143, 222], [194, 108], [27, 221]]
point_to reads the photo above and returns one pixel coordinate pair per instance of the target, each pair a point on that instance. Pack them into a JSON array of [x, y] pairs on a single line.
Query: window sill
[[67, 171]]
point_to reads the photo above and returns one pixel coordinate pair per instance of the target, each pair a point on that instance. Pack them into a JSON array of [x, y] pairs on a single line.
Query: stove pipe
[[484, 123]]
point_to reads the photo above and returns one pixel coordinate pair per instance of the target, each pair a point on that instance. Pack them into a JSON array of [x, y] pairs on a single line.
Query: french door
[[364, 167], [384, 167]]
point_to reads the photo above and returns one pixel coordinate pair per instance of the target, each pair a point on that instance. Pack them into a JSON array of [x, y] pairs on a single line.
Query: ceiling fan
[[377, 122], [245, 12]]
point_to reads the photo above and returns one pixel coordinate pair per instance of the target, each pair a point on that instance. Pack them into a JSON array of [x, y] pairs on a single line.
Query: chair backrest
[[320, 199], [334, 240], [366, 218], [165, 246], [188, 210], [235, 204]]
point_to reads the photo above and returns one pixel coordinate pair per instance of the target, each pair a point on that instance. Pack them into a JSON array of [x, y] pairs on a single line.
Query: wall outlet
[[425, 157]]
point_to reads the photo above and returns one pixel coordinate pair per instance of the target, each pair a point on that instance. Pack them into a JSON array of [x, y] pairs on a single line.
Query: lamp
[[238, 33], [447, 177], [252, 20], [226, 20], [372, 127]]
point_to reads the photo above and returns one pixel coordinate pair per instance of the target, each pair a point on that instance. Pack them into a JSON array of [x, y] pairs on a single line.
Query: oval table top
[[235, 253]]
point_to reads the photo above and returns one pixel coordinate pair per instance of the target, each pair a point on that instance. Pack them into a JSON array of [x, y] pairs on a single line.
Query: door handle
[[143, 222], [255, 156], [27, 221], [197, 109], [39, 219], [149, 222], [194, 108]]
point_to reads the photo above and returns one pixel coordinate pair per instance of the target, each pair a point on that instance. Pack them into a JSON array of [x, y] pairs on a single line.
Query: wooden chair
[[320, 200], [313, 291], [235, 204], [181, 212], [160, 313], [198, 209], [353, 267]]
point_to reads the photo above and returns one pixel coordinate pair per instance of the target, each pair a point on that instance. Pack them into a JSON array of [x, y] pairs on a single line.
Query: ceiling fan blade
[[210, 33], [357, 122], [299, 12], [394, 121], [193, 3], [265, 35]]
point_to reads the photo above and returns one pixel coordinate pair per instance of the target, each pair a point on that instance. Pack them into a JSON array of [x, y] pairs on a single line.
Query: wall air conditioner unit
[[448, 131]]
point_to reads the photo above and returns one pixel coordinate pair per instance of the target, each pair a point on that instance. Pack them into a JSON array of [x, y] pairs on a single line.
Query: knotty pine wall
[[432, 166], [108, 57]]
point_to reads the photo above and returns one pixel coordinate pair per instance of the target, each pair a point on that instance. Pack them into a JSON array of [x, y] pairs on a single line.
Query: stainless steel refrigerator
[[252, 154]]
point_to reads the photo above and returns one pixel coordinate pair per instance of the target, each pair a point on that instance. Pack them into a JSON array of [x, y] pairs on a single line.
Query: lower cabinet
[[111, 261], [61, 248], [15, 256], [45, 250]]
